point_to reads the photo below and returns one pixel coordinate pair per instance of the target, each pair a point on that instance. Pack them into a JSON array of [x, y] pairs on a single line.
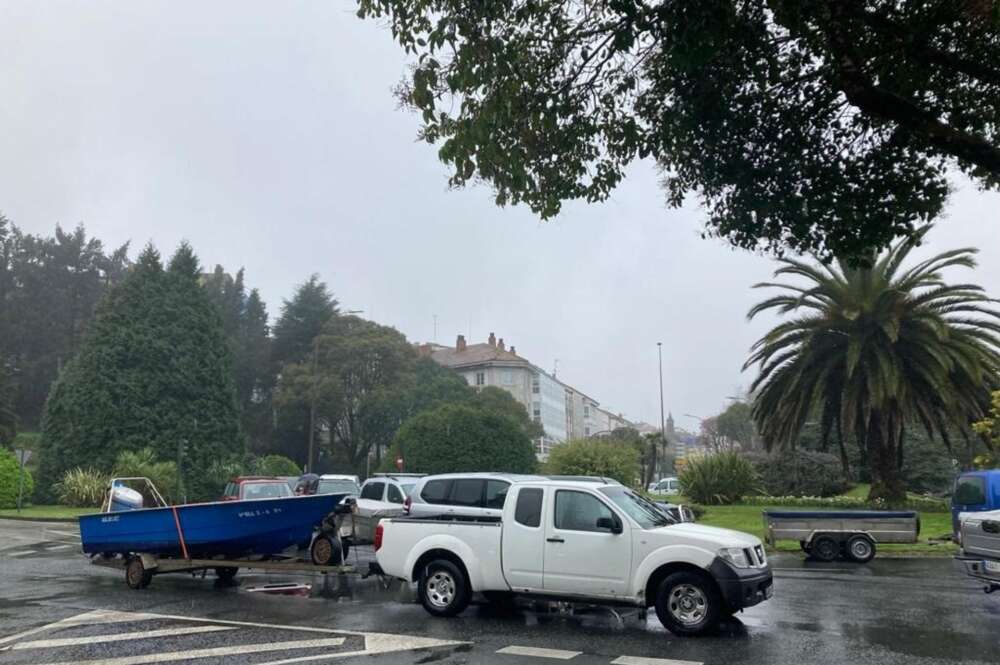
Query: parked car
[[382, 495], [980, 556], [670, 485], [583, 542], [256, 487], [466, 494], [328, 483], [975, 492]]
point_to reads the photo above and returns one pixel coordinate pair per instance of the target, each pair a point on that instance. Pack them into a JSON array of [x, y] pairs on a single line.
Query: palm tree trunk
[[844, 461], [883, 459]]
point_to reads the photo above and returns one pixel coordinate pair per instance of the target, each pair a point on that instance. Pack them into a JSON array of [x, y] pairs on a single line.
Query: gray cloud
[[266, 134]]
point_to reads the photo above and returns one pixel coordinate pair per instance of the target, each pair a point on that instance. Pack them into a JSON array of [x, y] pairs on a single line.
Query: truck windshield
[[644, 512]]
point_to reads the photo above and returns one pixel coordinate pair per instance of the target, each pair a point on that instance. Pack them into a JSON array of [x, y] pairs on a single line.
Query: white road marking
[[375, 643], [68, 621], [52, 548], [214, 652], [557, 654], [21, 553], [118, 637], [638, 660], [71, 534]]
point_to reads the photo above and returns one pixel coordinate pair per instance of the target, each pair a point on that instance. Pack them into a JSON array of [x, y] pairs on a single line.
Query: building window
[[508, 377], [534, 385], [586, 410], [480, 378], [586, 431]]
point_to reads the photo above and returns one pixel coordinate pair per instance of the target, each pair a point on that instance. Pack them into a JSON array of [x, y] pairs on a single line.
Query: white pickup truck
[[580, 542]]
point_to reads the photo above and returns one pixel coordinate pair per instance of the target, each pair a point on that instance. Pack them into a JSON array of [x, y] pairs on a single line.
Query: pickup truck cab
[[579, 542]]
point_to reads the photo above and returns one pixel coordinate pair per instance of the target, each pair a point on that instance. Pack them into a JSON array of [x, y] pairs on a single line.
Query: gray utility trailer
[[851, 534], [980, 539]]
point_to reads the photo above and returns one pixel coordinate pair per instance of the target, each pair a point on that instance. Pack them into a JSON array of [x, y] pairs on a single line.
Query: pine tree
[[302, 318], [154, 370]]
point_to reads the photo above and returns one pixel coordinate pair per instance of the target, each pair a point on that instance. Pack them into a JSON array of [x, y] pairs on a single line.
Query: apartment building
[[564, 412]]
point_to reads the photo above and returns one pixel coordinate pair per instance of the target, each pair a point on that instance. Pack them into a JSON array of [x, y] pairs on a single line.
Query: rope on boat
[[180, 533]]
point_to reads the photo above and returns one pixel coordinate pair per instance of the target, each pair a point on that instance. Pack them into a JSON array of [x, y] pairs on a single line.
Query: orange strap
[[180, 533]]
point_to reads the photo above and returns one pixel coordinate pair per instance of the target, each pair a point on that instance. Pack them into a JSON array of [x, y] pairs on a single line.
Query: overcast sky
[[266, 134]]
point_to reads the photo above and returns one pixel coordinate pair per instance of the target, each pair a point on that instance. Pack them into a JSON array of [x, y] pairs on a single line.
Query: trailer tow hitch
[[991, 587]]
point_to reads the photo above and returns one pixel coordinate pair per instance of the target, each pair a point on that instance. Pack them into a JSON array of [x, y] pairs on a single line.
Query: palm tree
[[873, 350]]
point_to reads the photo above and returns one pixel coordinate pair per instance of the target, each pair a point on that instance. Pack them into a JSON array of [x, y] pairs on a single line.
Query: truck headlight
[[735, 556]]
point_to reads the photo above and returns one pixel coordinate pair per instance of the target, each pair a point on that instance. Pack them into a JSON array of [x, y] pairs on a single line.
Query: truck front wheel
[[443, 589], [688, 603]]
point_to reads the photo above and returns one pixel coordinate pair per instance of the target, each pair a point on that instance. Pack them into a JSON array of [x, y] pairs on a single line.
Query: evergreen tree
[[8, 419], [153, 371], [49, 287], [255, 374], [302, 318]]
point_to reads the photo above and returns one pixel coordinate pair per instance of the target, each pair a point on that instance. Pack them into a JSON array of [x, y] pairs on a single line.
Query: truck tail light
[[378, 537], [407, 502]]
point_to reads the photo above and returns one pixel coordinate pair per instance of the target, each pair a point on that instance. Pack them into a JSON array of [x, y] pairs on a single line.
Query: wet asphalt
[[912, 611]]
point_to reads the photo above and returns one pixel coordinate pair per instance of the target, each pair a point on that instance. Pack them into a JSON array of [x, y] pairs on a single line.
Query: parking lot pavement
[[22, 538], [912, 612]]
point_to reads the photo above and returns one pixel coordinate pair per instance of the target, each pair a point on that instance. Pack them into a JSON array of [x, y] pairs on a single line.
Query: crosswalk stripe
[[169, 656], [538, 652], [21, 553], [118, 637], [52, 548], [639, 660]]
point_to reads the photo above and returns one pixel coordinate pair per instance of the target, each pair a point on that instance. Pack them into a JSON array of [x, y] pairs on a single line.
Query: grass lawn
[[47, 512], [748, 518]]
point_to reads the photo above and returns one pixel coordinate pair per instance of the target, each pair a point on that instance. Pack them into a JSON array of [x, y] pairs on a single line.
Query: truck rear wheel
[[443, 589], [860, 549], [688, 603]]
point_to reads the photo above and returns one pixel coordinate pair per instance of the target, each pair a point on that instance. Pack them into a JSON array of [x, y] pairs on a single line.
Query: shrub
[[456, 438], [799, 473], [595, 457], [722, 478], [81, 488], [275, 465], [10, 477], [143, 463], [922, 503]]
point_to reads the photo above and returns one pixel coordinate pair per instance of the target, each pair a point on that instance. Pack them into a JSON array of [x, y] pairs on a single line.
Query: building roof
[[475, 354]]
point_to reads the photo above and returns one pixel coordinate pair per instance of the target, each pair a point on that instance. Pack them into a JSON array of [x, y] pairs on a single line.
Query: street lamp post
[[663, 426]]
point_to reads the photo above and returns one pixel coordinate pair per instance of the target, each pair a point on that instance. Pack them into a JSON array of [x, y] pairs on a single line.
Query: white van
[[461, 494]]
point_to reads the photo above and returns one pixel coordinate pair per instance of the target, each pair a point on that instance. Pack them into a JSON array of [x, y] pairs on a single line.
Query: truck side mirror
[[609, 524]]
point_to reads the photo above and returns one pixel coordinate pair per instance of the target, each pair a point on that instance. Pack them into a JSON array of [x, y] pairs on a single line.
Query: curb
[[54, 520]]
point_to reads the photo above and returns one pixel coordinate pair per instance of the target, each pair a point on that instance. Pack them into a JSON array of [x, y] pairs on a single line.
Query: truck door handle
[[555, 539]]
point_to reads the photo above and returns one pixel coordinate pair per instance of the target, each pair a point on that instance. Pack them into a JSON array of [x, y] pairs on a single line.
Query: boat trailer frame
[[141, 567]]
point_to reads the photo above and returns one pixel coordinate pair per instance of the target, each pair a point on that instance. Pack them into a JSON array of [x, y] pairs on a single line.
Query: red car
[[256, 487]]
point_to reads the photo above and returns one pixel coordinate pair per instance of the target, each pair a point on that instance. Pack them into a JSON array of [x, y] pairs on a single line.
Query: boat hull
[[225, 528]]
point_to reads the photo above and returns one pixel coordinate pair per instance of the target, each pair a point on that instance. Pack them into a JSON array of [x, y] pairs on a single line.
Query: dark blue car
[[975, 491]]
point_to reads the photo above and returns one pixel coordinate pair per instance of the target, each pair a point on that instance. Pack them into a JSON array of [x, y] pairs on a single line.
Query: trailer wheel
[[225, 573], [326, 551], [136, 575], [688, 603], [860, 549], [443, 589], [825, 548]]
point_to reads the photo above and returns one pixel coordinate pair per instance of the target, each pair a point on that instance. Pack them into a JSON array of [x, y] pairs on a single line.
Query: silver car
[[461, 494]]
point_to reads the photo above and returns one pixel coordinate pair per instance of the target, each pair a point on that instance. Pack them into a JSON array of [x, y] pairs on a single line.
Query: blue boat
[[203, 530]]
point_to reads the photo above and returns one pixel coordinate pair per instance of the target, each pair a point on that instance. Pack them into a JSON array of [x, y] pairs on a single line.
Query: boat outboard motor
[[124, 498]]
